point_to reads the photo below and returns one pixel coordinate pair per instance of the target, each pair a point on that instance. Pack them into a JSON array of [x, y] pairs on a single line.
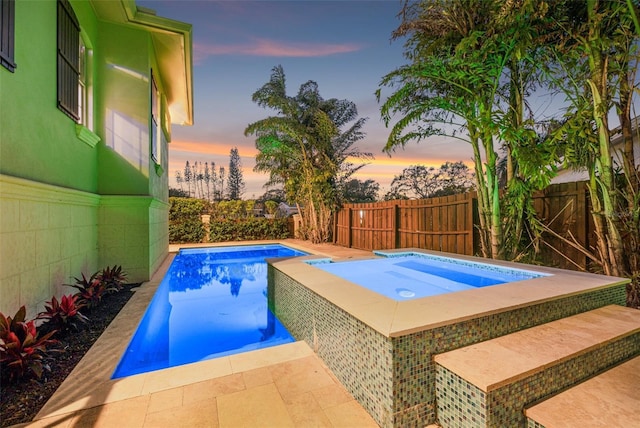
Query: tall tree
[[179, 179], [421, 182], [187, 177], [305, 148], [467, 78], [598, 50], [358, 191], [235, 182], [207, 179]]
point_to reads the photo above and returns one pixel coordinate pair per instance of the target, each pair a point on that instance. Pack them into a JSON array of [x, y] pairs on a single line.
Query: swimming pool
[[411, 275], [212, 302]]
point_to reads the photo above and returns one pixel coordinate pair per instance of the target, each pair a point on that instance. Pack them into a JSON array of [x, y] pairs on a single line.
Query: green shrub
[[271, 207], [185, 224], [249, 229], [186, 231], [183, 208], [233, 210]]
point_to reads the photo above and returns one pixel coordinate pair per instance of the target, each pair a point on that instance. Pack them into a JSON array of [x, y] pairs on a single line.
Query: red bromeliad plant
[[21, 350], [113, 277], [90, 290], [64, 314]]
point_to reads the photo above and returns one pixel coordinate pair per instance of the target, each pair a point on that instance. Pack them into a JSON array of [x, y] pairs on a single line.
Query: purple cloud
[[272, 48]]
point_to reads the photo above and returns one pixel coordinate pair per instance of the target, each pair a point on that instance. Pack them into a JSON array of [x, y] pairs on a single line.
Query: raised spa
[[381, 347], [412, 275]]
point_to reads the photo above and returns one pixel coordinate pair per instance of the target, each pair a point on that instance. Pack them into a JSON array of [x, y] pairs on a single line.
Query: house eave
[[172, 41]]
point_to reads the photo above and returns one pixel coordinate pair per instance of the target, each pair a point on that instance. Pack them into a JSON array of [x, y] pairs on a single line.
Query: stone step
[[609, 399], [490, 383]]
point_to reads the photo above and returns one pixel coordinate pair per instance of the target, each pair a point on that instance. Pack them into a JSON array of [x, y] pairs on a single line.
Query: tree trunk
[[603, 186], [483, 198]]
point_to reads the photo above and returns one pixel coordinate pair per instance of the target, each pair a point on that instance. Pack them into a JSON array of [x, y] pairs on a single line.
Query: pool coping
[[90, 383], [398, 318]]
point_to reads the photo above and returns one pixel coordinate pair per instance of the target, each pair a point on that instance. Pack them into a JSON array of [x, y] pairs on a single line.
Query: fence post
[[394, 224], [349, 227]]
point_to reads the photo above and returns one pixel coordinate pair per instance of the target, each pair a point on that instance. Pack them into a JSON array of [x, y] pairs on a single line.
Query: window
[[7, 19], [68, 60], [85, 98], [155, 120]]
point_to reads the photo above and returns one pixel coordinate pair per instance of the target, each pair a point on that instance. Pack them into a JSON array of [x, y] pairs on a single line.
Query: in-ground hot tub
[[381, 347]]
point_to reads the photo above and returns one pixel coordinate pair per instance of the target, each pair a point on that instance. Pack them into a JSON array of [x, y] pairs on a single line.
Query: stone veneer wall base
[[48, 235]]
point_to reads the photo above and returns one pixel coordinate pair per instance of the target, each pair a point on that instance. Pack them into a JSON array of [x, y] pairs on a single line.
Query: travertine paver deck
[[608, 400], [282, 386]]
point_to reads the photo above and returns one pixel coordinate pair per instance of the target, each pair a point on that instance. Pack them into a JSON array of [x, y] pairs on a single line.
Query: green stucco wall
[[67, 207], [39, 142], [124, 157]]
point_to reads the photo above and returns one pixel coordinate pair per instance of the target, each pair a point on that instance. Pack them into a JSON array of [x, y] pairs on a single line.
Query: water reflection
[[193, 272], [207, 306]]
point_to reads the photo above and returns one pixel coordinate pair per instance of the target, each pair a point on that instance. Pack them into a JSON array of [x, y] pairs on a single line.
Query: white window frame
[[155, 122]]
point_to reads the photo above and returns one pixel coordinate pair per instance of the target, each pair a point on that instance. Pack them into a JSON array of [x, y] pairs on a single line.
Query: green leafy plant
[[186, 230], [90, 290], [271, 207], [21, 350], [185, 224], [249, 229], [113, 277], [64, 314]]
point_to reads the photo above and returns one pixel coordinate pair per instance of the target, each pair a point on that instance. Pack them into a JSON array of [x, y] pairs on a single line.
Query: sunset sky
[[344, 46]]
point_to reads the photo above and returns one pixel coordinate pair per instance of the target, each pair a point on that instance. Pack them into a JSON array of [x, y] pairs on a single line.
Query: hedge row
[[185, 224], [250, 229], [230, 221]]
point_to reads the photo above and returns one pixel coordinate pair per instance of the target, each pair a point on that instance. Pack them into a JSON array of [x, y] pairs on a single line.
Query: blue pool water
[[212, 302], [406, 276]]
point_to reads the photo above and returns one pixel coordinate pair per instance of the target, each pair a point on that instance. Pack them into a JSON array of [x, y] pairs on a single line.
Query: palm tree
[[599, 48], [304, 148]]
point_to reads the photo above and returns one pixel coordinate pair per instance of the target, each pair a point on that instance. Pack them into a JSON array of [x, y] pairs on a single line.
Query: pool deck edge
[[90, 384], [398, 318]]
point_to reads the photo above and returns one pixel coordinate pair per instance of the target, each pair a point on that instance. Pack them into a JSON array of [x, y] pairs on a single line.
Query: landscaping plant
[[185, 224], [21, 350], [64, 314], [90, 290], [112, 277]]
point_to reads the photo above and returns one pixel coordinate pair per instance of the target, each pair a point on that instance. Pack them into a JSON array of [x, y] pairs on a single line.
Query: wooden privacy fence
[[443, 224], [450, 223], [566, 209]]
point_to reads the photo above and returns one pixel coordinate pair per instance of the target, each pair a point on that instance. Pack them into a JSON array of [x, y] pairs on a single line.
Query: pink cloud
[[264, 47]]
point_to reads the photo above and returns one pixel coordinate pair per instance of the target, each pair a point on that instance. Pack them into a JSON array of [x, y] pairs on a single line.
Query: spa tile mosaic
[[459, 402], [334, 335], [414, 371], [394, 379], [463, 405]]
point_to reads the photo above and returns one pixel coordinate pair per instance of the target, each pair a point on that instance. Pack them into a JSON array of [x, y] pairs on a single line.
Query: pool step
[[609, 399], [490, 383]]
